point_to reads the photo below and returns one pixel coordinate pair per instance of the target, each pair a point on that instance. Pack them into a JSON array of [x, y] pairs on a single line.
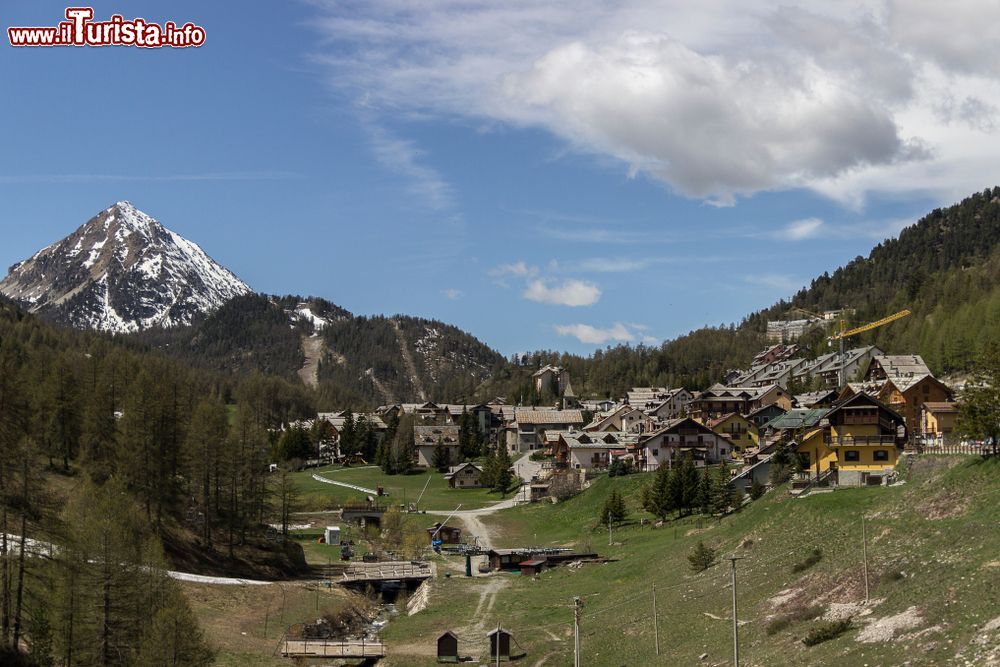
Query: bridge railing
[[333, 648]]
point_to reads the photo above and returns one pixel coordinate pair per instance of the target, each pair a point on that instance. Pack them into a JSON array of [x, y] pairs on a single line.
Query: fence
[[968, 448]]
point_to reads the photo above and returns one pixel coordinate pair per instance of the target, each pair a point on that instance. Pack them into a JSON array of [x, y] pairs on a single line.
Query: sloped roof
[[428, 435], [797, 418], [549, 416], [941, 406]]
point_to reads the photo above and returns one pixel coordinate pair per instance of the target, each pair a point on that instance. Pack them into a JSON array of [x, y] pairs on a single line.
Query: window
[[852, 455], [656, 452], [881, 454]]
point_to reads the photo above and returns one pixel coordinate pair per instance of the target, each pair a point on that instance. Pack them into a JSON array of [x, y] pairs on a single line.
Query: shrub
[[891, 576], [811, 559], [702, 557], [797, 615], [826, 632], [756, 489]]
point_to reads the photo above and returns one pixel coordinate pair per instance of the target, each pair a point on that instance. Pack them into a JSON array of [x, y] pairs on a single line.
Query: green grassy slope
[[316, 495], [934, 555]]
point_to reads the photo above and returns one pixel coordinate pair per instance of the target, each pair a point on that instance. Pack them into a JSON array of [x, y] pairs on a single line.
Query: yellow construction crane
[[845, 333]]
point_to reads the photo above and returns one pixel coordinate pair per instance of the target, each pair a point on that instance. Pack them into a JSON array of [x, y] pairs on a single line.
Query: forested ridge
[[263, 333], [945, 268]]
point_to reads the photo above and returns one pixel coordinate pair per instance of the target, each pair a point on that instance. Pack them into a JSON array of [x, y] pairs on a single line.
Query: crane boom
[[871, 325]]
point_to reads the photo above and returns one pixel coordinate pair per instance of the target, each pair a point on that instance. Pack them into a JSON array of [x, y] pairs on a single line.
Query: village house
[[464, 476], [938, 422], [857, 442], [904, 383], [829, 366], [659, 403], [774, 353], [720, 400], [824, 398], [737, 429], [623, 418], [763, 415], [551, 379], [531, 425], [427, 438], [582, 450], [679, 438], [600, 405]]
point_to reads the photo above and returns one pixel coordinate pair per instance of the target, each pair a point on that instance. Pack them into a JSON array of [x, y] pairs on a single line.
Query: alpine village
[[211, 476]]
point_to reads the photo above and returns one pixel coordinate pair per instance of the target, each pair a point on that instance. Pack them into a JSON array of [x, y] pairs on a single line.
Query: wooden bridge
[[385, 571], [333, 648]]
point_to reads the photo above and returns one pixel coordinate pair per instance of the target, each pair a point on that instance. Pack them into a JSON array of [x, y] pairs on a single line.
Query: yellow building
[[736, 428], [860, 439], [938, 423]]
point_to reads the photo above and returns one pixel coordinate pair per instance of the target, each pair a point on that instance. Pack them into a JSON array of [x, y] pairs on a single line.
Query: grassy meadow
[[934, 578]]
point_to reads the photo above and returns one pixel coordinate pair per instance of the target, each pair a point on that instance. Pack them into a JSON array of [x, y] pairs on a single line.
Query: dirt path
[[411, 367], [525, 468], [312, 348]]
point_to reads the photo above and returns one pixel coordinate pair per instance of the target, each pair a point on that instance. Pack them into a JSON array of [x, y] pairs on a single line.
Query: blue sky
[[560, 175]]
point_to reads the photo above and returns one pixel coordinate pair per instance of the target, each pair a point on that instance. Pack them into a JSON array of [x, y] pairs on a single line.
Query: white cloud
[[717, 100], [403, 157], [518, 269], [801, 230], [566, 293], [618, 333], [453, 294], [586, 333]]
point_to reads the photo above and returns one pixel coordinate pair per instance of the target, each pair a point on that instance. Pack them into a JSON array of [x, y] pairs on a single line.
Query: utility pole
[[656, 630], [864, 553], [736, 622], [577, 605]]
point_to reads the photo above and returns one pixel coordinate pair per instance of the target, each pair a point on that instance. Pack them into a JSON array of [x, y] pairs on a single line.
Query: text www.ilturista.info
[[80, 30]]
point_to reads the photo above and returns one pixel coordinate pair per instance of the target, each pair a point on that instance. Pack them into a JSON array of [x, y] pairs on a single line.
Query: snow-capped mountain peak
[[122, 271]]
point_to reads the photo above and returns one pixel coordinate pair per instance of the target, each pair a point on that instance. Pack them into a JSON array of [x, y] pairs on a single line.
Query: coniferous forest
[[117, 463]]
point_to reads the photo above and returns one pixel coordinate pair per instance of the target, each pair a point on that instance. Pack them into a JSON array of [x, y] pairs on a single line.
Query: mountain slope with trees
[[945, 268]]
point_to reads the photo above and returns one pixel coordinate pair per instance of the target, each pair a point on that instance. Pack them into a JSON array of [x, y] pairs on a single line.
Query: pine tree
[[756, 489], [780, 464], [613, 511], [205, 438], [441, 457], [503, 474], [702, 557], [658, 498], [722, 495], [489, 463], [979, 413], [685, 485], [348, 435], [174, 638]]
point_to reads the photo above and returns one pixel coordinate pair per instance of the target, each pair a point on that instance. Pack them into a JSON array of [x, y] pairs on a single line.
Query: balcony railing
[[862, 440]]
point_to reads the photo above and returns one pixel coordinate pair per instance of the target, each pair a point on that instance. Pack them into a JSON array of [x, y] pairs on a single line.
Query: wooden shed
[[502, 638], [447, 534], [447, 650], [530, 568]]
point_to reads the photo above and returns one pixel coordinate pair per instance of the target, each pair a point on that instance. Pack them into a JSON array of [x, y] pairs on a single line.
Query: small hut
[[501, 638], [448, 647], [530, 568]]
